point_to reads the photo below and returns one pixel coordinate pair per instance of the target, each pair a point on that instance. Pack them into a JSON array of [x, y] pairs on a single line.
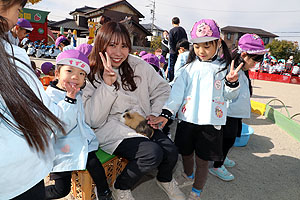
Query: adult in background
[[165, 43], [176, 34]]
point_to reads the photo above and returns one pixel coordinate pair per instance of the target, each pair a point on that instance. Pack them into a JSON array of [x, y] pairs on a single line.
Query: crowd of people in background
[[282, 67]]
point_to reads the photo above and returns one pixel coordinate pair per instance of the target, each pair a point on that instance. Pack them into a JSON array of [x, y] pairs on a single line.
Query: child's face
[[72, 75], [21, 33], [11, 14], [249, 62], [205, 51]]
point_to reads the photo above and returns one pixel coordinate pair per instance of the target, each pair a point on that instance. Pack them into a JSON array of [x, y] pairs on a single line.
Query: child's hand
[[109, 76], [157, 122], [71, 90], [233, 75]]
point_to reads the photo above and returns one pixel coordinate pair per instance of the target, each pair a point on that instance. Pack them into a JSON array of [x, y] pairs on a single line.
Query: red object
[[274, 77], [36, 35], [295, 80]]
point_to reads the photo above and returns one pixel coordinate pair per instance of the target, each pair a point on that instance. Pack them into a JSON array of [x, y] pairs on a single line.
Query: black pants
[[145, 155], [231, 130], [172, 61], [62, 185], [37, 192]]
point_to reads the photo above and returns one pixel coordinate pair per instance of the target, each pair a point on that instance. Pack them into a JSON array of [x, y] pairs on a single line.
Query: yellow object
[[33, 1], [83, 185], [92, 32], [257, 107]]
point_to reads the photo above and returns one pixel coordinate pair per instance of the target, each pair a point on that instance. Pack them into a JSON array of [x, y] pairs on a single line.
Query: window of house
[[265, 40], [75, 17], [228, 36]]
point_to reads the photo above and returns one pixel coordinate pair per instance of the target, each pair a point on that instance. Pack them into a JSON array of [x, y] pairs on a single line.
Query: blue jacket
[[21, 166], [199, 94], [71, 151], [240, 107]]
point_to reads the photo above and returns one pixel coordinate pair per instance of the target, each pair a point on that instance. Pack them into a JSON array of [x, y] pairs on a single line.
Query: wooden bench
[[82, 183]]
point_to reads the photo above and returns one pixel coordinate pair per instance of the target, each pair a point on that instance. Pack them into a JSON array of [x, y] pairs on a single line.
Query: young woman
[[120, 82]]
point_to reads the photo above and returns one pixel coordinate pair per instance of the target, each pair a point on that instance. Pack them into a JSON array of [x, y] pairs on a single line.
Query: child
[[85, 49], [199, 95], [63, 44], [250, 51], [182, 47], [162, 63], [19, 31], [142, 53], [76, 150], [153, 61], [48, 68]]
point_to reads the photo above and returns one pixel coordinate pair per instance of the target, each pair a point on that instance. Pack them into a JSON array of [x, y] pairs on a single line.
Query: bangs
[[121, 38]]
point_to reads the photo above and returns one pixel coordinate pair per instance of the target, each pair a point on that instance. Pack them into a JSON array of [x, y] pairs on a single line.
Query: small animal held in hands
[[137, 122]]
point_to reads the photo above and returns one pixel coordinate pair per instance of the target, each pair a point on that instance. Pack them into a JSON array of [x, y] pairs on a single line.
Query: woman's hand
[[233, 75], [71, 90], [109, 76], [157, 122]]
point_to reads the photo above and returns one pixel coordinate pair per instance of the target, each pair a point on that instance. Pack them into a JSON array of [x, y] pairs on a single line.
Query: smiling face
[[11, 14], [72, 75], [118, 51], [205, 51]]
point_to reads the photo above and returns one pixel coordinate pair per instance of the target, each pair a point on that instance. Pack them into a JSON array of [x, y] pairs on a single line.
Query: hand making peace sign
[[233, 75], [109, 75]]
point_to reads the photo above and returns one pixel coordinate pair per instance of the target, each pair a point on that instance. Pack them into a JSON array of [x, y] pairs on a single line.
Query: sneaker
[[221, 173], [229, 163], [183, 180], [193, 196], [103, 196], [172, 190], [121, 194]]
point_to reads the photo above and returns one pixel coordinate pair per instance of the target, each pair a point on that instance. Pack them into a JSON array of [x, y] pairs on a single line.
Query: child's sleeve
[[67, 112], [231, 90], [159, 91], [177, 92]]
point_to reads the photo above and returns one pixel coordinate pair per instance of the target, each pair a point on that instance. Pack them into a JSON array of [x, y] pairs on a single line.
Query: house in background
[[156, 31], [122, 11], [119, 11], [232, 34]]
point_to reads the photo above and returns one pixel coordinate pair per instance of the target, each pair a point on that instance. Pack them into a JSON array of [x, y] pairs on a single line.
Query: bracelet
[[70, 100], [166, 114], [232, 84]]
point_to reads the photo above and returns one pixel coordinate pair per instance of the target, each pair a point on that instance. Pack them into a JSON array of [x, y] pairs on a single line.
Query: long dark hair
[[102, 40], [30, 115], [225, 58]]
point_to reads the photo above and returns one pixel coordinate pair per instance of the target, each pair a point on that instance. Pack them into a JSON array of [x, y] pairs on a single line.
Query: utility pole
[[153, 15]]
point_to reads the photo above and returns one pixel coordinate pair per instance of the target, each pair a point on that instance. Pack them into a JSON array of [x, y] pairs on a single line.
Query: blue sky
[[281, 17]]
